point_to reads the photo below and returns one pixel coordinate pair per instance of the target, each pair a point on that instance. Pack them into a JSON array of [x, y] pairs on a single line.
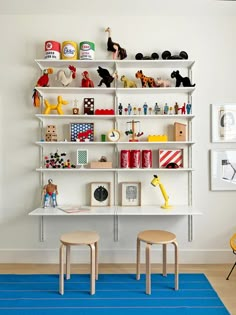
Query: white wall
[[208, 37]]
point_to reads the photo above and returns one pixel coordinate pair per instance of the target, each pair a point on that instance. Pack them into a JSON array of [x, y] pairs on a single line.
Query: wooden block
[[51, 129], [100, 164], [179, 132], [51, 137]]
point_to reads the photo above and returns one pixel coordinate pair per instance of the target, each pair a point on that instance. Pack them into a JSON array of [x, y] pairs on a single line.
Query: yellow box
[[157, 138]]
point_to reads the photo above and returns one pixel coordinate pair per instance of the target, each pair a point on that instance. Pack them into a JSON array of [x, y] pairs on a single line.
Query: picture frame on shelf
[[169, 158], [223, 122], [131, 193], [82, 157], [82, 132], [223, 170], [100, 194]]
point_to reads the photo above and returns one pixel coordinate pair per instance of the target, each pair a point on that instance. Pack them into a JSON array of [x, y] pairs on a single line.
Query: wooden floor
[[216, 274]]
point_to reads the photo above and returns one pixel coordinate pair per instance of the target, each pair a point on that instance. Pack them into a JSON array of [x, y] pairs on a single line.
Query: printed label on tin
[[69, 51]]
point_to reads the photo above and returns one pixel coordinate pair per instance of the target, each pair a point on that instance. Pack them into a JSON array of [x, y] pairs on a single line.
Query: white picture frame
[[82, 157], [223, 170], [223, 122], [100, 194], [131, 194]]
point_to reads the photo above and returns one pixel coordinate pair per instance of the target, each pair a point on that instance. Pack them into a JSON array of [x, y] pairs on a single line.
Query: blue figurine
[[166, 109], [129, 109], [188, 108], [145, 108]]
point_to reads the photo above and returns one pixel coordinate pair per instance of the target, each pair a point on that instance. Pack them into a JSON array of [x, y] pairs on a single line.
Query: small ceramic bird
[[42, 81]]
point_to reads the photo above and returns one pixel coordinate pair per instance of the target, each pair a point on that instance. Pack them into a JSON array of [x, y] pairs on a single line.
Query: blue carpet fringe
[[115, 294]]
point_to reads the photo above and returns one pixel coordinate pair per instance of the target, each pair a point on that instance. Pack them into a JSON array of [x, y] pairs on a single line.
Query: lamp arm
[[164, 194]]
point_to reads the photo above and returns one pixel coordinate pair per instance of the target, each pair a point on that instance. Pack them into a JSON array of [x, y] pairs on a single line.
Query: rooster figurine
[[64, 78], [42, 81]]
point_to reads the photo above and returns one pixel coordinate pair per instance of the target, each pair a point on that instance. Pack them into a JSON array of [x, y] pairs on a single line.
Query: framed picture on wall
[[223, 123], [223, 169], [131, 194], [100, 194], [81, 132]]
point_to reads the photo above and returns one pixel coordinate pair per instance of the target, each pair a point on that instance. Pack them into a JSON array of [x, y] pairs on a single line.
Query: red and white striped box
[[170, 156]]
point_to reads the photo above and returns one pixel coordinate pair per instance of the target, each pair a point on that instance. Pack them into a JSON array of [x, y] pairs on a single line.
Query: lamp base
[[166, 207]]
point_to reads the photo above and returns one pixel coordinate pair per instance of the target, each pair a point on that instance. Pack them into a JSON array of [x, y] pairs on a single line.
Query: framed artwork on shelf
[[101, 194], [223, 123], [81, 132], [82, 157], [170, 158], [131, 194], [223, 169]]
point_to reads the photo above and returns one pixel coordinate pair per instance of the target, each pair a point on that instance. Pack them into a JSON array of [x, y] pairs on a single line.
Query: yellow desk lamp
[[156, 182]]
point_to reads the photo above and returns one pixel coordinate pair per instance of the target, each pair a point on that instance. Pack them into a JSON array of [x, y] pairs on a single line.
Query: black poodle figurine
[[107, 78], [179, 79], [115, 48]]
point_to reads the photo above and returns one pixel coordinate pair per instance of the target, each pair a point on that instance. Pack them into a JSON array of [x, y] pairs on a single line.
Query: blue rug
[[115, 294]]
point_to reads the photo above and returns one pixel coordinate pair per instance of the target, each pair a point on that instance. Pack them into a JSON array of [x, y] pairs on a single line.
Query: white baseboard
[[48, 256]]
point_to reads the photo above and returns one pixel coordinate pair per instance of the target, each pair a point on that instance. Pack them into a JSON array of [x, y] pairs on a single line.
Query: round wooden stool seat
[[89, 238], [163, 238]]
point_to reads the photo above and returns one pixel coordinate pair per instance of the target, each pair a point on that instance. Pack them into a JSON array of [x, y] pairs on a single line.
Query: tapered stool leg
[[176, 266], [96, 260], [148, 269], [92, 269], [67, 262], [138, 260], [164, 259], [61, 282]]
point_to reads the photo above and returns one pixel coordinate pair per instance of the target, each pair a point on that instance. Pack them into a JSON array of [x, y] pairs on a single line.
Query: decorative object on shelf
[[100, 194], [146, 158], [58, 107], [113, 135], [180, 132], [51, 133], [105, 111], [167, 55], [189, 108], [145, 81], [166, 109], [89, 106], [120, 109], [82, 157], [135, 158], [156, 182], [131, 194], [50, 193], [223, 169], [86, 81], [183, 109], [233, 246], [157, 109], [131, 130], [69, 50], [52, 50], [129, 109], [43, 81], [107, 78], [168, 156], [57, 160], [157, 138], [163, 83], [81, 132], [75, 109], [102, 163], [140, 56], [127, 83], [117, 51], [223, 122], [176, 108], [185, 81], [124, 158], [86, 50], [66, 77], [145, 108]]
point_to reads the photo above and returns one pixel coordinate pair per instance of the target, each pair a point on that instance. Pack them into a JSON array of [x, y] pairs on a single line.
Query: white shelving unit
[[116, 93]]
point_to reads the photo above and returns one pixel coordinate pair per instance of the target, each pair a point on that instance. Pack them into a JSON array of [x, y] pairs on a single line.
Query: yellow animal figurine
[[128, 83], [57, 107]]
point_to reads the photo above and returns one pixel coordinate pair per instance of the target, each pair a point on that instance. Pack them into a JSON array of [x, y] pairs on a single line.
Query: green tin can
[[86, 50]]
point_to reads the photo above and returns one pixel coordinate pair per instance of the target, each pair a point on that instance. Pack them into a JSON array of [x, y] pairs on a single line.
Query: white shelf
[[159, 90], [181, 169], [56, 211], [45, 63], [74, 90], [172, 143]]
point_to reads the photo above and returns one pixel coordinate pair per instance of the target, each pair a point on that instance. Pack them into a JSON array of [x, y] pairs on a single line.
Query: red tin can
[[146, 158], [125, 158], [135, 158]]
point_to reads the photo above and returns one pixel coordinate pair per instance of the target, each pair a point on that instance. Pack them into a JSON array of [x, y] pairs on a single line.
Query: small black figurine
[[179, 79], [167, 55], [107, 78]]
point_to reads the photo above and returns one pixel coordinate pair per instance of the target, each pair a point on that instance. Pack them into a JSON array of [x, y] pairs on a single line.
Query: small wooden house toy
[[180, 132]]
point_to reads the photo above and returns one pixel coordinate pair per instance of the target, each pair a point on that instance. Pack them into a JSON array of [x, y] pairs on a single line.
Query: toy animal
[[167, 55], [118, 52], [163, 83], [140, 56], [107, 78], [86, 81], [64, 78], [128, 83], [42, 81], [57, 107], [145, 80], [185, 81]]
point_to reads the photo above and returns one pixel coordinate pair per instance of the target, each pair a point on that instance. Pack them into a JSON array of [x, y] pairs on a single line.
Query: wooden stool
[[79, 238], [156, 237]]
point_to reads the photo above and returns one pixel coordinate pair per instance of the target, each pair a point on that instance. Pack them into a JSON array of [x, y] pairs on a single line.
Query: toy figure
[[166, 109], [64, 78], [145, 81], [145, 107], [50, 194], [182, 109], [150, 110], [115, 48], [120, 108], [107, 78], [86, 81], [157, 109], [163, 83], [188, 108], [58, 107], [129, 109], [176, 107], [128, 83], [185, 81], [42, 81]]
